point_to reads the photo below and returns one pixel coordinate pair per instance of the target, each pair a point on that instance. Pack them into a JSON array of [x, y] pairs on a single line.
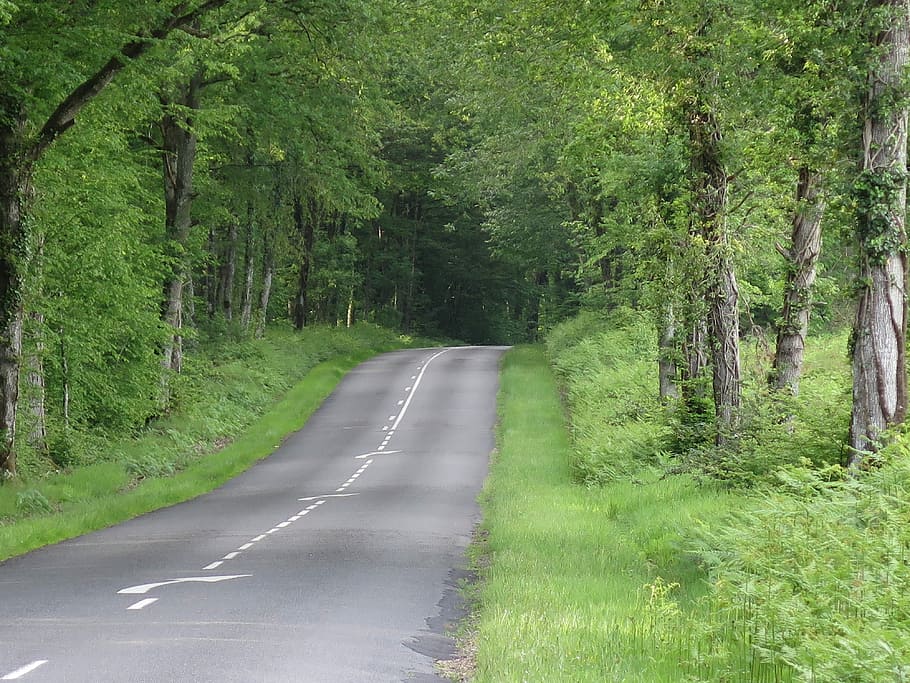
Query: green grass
[[580, 584], [249, 396]]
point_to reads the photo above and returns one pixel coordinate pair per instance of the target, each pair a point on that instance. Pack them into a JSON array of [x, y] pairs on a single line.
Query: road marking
[[407, 388], [146, 587], [293, 518], [258, 538], [380, 449], [142, 603], [319, 502], [413, 377], [282, 525], [407, 403], [245, 546], [303, 512], [370, 455], [401, 401], [273, 530], [20, 672], [231, 556], [311, 507], [325, 495], [392, 417], [385, 428], [340, 488], [355, 475], [214, 565]]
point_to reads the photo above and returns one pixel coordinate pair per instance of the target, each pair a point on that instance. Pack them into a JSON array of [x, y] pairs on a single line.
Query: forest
[[698, 206]]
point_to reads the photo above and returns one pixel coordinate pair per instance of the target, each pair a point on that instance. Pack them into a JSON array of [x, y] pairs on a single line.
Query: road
[[334, 559]]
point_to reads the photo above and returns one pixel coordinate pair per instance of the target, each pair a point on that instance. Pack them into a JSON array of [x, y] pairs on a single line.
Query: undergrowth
[[793, 570]]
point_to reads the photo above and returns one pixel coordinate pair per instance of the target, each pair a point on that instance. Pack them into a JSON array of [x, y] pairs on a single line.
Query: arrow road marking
[[329, 495], [146, 587], [370, 455], [20, 672]]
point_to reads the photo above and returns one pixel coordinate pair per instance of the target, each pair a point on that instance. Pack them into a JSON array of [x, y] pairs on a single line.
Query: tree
[[880, 331], [31, 120]]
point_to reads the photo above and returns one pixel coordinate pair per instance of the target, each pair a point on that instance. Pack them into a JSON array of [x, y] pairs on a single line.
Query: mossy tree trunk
[[801, 257], [879, 336]]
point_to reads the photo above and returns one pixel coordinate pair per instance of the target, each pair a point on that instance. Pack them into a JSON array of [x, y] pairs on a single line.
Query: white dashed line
[[231, 556], [214, 565], [339, 489], [319, 502], [20, 672], [258, 538], [311, 507], [142, 603], [282, 525], [293, 518], [370, 462], [303, 512], [273, 530], [401, 401], [381, 448], [404, 408], [245, 546], [392, 417], [407, 388], [413, 377]]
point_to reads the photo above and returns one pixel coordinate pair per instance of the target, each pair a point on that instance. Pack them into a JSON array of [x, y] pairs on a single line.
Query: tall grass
[[582, 583]]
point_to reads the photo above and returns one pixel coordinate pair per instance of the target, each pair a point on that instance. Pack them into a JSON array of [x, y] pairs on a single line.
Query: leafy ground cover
[[237, 402]]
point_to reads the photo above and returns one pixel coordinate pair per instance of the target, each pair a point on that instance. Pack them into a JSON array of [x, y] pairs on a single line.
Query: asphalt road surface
[[335, 559]]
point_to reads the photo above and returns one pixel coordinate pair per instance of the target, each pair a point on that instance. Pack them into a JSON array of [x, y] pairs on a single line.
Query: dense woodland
[[172, 171], [470, 170]]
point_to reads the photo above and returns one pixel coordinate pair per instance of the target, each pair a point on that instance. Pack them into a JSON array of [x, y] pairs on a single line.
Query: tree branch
[[64, 116]]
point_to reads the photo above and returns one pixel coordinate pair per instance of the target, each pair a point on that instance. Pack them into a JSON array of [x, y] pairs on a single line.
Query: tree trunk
[[65, 369], [37, 423], [211, 275], [306, 230], [268, 267], [710, 193], [666, 363], [246, 300], [179, 154], [879, 336], [806, 240], [14, 175], [229, 272]]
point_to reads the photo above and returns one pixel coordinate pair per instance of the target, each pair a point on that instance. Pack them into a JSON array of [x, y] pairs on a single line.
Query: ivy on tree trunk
[[879, 335]]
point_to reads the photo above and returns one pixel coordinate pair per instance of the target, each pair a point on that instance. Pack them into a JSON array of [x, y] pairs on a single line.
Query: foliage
[[606, 367], [813, 577]]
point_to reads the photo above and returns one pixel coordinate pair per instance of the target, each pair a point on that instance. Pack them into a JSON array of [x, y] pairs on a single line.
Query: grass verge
[[580, 584], [182, 456]]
